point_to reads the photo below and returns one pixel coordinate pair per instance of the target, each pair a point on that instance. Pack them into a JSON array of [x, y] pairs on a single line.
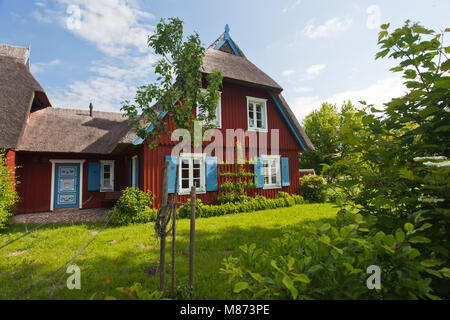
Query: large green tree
[[326, 128], [178, 85]]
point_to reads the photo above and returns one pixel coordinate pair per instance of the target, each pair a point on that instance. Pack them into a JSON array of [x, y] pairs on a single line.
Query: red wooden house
[[68, 158]]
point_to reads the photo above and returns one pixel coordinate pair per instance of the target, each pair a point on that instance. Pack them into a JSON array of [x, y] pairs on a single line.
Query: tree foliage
[[395, 175], [326, 128], [178, 85], [388, 178], [8, 194]]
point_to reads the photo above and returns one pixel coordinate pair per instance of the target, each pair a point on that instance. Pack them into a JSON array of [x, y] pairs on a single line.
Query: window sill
[[186, 193], [271, 187], [108, 190], [258, 130]]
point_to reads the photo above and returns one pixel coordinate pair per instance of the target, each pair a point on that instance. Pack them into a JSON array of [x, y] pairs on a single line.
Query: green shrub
[[314, 188], [8, 194], [330, 261], [133, 207]]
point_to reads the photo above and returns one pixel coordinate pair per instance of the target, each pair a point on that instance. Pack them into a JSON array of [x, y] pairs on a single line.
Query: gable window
[[192, 172], [218, 116], [271, 172], [257, 114], [107, 176]]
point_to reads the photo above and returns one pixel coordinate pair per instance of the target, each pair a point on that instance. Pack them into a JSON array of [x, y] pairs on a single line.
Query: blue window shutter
[[173, 160], [212, 181], [285, 182], [94, 176], [131, 173], [259, 179], [136, 168]]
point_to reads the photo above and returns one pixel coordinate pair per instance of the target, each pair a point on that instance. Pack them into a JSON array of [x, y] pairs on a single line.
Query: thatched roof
[[75, 131], [237, 68], [18, 91]]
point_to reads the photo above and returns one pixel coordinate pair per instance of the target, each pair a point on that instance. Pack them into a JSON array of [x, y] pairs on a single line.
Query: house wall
[[34, 175], [234, 116], [155, 159]]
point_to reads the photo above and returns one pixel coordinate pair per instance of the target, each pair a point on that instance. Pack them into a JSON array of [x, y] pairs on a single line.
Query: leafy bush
[[252, 204], [314, 188], [133, 207], [134, 292], [8, 194], [327, 261]]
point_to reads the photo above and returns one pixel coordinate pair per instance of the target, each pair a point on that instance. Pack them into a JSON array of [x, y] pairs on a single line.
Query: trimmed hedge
[[132, 207], [254, 204]]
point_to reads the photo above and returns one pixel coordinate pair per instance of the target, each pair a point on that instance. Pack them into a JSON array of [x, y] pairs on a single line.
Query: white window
[[192, 172], [271, 172], [218, 118], [257, 114], [107, 175]]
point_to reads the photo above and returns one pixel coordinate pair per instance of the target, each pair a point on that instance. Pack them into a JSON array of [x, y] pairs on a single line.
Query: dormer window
[[257, 114]]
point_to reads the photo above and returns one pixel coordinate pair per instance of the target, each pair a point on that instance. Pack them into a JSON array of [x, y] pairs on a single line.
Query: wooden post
[[174, 221], [163, 212], [192, 243]]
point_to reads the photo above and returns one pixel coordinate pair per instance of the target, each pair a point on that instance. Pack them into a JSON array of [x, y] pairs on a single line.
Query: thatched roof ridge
[[18, 53]]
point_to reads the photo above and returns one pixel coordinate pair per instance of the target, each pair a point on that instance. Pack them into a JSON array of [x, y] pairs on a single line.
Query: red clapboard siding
[[34, 175], [155, 158], [234, 116]]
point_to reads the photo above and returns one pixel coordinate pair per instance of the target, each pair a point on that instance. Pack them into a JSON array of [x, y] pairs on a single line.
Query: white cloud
[[330, 27], [117, 28], [42, 66], [292, 6], [315, 69], [114, 26], [302, 89], [44, 18], [378, 93], [287, 73]]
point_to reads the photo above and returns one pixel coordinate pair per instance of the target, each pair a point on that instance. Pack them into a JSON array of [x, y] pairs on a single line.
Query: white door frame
[[80, 187]]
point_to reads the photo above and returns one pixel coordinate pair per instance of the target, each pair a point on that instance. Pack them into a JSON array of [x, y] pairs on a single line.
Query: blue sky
[[316, 50]]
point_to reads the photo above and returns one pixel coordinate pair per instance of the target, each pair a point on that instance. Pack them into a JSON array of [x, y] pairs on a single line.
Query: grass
[[135, 249]]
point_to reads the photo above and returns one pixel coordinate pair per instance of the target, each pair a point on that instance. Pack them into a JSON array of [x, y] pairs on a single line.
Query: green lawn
[[135, 249]]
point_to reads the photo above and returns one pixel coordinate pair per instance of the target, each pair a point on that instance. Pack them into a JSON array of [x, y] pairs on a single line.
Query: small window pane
[[185, 184]]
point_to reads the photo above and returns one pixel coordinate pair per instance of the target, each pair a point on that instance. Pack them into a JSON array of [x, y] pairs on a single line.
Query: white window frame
[[218, 110], [192, 156], [254, 101], [111, 177], [277, 160]]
